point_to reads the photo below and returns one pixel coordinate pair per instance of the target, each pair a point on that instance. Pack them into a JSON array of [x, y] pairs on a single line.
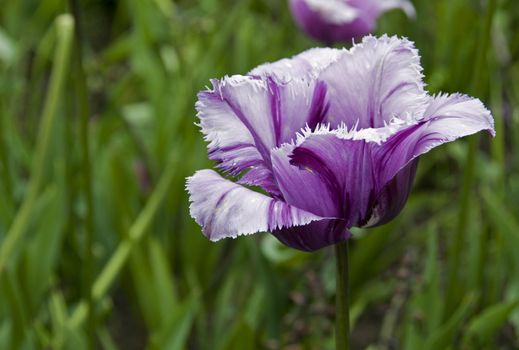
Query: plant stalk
[[342, 297], [83, 114]]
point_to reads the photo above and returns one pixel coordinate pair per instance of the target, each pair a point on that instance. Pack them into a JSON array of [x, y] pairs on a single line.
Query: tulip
[[342, 20], [312, 146]]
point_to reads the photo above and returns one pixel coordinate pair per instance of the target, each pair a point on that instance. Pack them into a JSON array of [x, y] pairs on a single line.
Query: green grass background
[[97, 136]]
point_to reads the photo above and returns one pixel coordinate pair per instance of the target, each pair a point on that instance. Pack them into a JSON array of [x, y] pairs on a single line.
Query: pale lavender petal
[[243, 117], [271, 112], [304, 66], [299, 104], [447, 118], [225, 209], [346, 168], [230, 142], [248, 100], [297, 97], [376, 81], [235, 118]]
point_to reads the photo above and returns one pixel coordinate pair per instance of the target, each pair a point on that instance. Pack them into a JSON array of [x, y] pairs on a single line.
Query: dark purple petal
[[329, 22], [392, 198], [315, 235], [376, 81], [301, 187], [225, 209], [346, 168], [262, 177]]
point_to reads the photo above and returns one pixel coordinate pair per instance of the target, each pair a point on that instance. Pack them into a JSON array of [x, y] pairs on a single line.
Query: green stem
[[65, 27], [342, 297], [456, 248], [82, 109], [498, 147], [18, 313], [123, 251], [4, 156]]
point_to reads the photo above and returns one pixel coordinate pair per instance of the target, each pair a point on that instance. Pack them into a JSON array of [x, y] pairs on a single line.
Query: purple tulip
[[329, 139], [342, 20]]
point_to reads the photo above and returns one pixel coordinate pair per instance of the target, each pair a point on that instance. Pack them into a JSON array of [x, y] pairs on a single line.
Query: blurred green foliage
[[129, 269]]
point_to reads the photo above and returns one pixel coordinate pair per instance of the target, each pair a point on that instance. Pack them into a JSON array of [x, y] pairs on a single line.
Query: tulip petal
[[447, 118], [230, 142], [262, 177], [243, 117], [303, 188], [332, 20], [305, 66], [315, 235], [405, 5], [334, 11], [342, 20], [392, 198], [374, 82], [345, 166], [225, 209]]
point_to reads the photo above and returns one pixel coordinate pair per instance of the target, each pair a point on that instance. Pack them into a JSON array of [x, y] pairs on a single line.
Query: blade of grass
[[469, 176], [18, 313], [4, 155], [487, 323], [122, 253], [445, 335], [64, 27], [83, 112], [498, 145], [105, 338]]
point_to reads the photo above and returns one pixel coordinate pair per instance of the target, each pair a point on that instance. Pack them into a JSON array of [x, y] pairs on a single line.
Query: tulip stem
[[342, 297]]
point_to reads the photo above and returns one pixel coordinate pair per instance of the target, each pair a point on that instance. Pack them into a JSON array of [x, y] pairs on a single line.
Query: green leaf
[[17, 311], [487, 323], [175, 334], [445, 335], [161, 276], [432, 298], [7, 48], [64, 337], [42, 250]]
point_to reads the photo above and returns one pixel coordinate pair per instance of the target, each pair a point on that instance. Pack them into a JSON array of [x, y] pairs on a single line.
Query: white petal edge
[[225, 209]]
